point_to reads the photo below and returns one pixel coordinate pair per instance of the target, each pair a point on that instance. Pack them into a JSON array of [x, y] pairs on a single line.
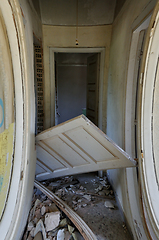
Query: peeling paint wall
[[122, 30]]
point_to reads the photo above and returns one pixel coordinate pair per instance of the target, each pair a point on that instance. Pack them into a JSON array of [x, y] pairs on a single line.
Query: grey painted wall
[[71, 91], [72, 58], [71, 84], [90, 12]]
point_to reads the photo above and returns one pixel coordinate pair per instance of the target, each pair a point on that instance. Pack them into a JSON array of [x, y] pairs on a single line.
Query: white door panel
[[77, 146]]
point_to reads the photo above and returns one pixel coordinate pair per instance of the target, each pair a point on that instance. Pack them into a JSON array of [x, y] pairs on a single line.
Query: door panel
[[77, 146], [93, 88]]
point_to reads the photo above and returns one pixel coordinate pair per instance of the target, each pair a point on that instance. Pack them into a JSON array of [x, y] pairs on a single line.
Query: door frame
[[100, 50], [138, 226]]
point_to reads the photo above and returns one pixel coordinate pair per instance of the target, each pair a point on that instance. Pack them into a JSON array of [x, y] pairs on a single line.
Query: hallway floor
[[90, 196], [93, 200], [105, 222]]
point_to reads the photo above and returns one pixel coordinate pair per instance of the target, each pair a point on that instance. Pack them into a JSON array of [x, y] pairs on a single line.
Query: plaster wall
[[64, 36], [130, 17], [62, 12], [71, 91], [32, 20]]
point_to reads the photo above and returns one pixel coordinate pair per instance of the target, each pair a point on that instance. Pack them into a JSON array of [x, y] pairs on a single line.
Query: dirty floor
[[105, 222], [91, 197]]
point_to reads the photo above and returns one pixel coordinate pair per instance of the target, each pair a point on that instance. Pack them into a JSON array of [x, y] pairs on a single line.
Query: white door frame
[[52, 77], [137, 226]]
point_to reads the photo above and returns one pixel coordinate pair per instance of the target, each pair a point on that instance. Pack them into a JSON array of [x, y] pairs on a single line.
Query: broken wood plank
[[64, 185], [95, 195]]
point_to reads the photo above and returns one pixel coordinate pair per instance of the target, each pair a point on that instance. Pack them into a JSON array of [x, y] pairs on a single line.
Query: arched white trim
[[149, 167], [19, 199], [133, 187]]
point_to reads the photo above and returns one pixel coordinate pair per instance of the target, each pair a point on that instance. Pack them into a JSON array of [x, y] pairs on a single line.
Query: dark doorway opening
[[76, 83]]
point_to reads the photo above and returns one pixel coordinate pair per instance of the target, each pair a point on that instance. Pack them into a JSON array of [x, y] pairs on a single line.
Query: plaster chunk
[[43, 210], [37, 214], [107, 192], [52, 220], [67, 235], [53, 208], [101, 193], [61, 234], [32, 232], [71, 229], [84, 205], [63, 222], [47, 202], [108, 204], [87, 197], [30, 226], [37, 203]]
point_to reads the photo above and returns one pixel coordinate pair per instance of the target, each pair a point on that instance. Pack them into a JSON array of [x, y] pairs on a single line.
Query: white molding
[[52, 51], [136, 215], [17, 206]]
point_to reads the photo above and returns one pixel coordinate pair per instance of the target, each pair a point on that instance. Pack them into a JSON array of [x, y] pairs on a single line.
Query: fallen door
[[77, 146]]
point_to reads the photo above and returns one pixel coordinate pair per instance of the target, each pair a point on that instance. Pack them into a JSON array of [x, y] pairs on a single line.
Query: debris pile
[[90, 196], [47, 222], [79, 195]]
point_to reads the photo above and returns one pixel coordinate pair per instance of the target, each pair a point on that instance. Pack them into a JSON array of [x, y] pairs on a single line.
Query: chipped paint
[[6, 162]]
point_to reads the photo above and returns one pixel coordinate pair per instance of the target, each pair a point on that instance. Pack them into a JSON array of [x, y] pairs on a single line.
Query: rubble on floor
[[47, 222], [87, 194], [81, 196]]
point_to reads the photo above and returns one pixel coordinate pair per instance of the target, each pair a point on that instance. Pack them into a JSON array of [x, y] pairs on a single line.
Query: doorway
[[69, 84], [76, 86]]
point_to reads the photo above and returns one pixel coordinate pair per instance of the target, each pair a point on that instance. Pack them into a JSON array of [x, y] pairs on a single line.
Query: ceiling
[[64, 12], [90, 12]]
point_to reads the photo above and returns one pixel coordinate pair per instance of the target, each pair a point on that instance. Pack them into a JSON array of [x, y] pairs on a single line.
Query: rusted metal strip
[[83, 228]]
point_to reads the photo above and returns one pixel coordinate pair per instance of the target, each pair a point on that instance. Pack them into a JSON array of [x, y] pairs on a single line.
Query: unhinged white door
[[77, 146]]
